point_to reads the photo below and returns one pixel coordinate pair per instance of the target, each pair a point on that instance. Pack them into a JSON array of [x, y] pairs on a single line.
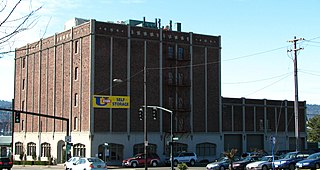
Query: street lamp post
[[171, 141], [145, 115], [171, 130]]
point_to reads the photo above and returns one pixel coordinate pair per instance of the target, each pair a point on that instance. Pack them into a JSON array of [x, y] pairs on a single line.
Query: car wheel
[[221, 168], [134, 164], [292, 167], [317, 166], [175, 163], [154, 163], [264, 167], [192, 162]]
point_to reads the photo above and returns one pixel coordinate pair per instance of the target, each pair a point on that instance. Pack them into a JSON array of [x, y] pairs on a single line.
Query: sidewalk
[[59, 166]]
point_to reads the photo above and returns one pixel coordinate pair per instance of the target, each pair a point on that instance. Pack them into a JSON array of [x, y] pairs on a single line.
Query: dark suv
[[139, 160], [5, 163], [290, 159]]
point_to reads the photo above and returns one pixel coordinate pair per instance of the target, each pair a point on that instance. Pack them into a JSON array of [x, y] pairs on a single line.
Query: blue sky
[[254, 34]]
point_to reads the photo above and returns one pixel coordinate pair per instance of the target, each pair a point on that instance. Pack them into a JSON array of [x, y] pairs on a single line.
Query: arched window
[[139, 148], [206, 149], [18, 148], [177, 148], [45, 150], [79, 150], [31, 149], [112, 151]]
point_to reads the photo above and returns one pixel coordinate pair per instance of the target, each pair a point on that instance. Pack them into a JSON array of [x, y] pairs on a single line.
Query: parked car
[[139, 160], [241, 164], [186, 157], [220, 164], [264, 163], [5, 163], [89, 164], [290, 159], [311, 162], [69, 163]]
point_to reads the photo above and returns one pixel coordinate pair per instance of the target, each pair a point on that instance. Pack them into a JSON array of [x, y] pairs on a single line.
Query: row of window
[[78, 149], [180, 53], [31, 149], [116, 151]]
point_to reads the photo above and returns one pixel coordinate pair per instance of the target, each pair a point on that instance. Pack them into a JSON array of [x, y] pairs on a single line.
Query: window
[[18, 148], [170, 78], [31, 149], [22, 125], [23, 83], [170, 52], [139, 148], [171, 102], [180, 53], [79, 150], [45, 150], [177, 148], [76, 99], [76, 73], [206, 149], [180, 103], [180, 78], [23, 62], [76, 47], [116, 152], [261, 125], [75, 123], [22, 105]]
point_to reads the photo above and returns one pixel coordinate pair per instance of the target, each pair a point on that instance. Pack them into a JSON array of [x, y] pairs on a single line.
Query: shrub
[[182, 166]]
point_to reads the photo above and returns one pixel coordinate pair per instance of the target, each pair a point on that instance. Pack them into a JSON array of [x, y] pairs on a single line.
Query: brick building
[[73, 73]]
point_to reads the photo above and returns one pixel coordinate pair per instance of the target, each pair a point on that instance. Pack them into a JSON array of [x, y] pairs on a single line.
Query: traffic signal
[[17, 117], [140, 114], [154, 113]]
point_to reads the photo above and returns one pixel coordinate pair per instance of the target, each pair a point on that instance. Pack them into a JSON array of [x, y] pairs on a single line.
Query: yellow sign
[[100, 101]]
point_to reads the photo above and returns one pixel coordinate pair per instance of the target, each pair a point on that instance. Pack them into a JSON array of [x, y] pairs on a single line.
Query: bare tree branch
[[10, 26]]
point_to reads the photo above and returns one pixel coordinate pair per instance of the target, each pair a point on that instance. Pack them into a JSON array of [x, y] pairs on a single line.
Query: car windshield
[[314, 156], [139, 156], [266, 158], [248, 158], [290, 155], [222, 159], [94, 160]]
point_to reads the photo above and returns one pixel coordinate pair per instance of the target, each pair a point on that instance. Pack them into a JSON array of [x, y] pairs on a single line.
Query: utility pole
[[296, 99]]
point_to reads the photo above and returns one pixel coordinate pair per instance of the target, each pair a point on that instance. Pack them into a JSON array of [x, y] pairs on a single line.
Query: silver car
[[70, 162], [264, 164], [89, 164]]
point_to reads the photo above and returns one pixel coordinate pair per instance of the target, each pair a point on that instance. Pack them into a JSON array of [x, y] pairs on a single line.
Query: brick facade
[[59, 75]]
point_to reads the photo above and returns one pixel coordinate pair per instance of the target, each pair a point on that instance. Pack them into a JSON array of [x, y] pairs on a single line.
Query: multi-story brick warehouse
[[67, 74]]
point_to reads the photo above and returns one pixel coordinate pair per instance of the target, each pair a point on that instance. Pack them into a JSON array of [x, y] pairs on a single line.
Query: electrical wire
[[268, 85], [259, 80]]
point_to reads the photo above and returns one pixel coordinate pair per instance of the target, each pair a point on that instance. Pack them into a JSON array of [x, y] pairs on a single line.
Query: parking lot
[[60, 166]]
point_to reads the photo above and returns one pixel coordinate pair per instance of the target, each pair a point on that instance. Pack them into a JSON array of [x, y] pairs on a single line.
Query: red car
[[139, 160]]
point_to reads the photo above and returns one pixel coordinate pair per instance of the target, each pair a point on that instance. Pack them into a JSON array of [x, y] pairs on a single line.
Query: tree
[[313, 129], [12, 22], [230, 155]]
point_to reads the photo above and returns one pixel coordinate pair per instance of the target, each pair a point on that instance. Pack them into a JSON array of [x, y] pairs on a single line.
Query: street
[[28, 167]]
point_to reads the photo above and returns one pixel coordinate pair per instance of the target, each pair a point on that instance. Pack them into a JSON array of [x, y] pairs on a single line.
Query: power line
[[268, 85], [259, 80]]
